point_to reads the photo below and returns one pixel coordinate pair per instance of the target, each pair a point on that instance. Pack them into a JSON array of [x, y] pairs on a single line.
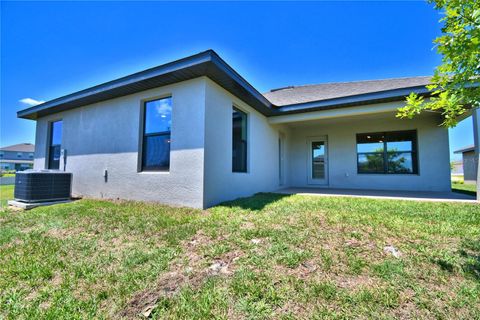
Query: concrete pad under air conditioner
[[28, 206]]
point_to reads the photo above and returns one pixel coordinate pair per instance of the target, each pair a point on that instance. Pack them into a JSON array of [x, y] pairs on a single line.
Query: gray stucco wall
[[107, 135], [469, 166], [433, 149], [262, 151]]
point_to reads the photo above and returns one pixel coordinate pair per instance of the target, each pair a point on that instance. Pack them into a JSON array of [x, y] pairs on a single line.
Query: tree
[[395, 162], [453, 88]]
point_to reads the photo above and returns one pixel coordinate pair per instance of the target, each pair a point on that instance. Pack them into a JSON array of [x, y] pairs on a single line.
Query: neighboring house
[[470, 164], [18, 157], [193, 132], [457, 168]]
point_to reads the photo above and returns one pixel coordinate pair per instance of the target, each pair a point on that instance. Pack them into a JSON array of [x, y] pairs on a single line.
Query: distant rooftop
[[325, 91], [21, 147], [465, 149]]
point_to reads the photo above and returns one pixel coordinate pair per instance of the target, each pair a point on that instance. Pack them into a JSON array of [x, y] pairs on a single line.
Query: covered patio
[[320, 154]]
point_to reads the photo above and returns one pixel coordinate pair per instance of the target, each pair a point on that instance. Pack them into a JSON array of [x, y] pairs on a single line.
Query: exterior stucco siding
[[107, 136], [262, 151], [469, 166], [433, 154]]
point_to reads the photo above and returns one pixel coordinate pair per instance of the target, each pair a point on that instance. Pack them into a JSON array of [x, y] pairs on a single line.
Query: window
[[387, 152], [55, 145], [318, 159], [30, 155], [1, 154], [156, 135], [239, 143], [19, 154]]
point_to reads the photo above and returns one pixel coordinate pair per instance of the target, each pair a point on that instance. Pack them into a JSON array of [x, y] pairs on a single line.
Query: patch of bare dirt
[[45, 305], [191, 269], [233, 314], [300, 310], [407, 308], [360, 244], [32, 295], [303, 271], [311, 270], [56, 280], [117, 244], [12, 208], [248, 225], [29, 229], [364, 248], [350, 282], [62, 233], [11, 244]]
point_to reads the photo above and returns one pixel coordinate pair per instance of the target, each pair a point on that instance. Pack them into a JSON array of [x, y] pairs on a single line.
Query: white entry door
[[317, 160]]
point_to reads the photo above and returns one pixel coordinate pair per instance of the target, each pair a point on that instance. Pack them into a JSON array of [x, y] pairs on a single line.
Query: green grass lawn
[[265, 257], [6, 193], [464, 188]]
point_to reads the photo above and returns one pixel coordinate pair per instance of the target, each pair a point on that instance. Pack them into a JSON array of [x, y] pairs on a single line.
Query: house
[[194, 132], [17, 157], [470, 163], [457, 168]]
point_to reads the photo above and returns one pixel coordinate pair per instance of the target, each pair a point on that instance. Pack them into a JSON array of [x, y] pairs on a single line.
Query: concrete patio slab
[[383, 194], [28, 206]]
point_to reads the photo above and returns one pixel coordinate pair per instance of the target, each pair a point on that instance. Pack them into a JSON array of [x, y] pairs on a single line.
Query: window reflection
[[318, 160], [387, 152], [157, 134], [239, 140], [55, 145]]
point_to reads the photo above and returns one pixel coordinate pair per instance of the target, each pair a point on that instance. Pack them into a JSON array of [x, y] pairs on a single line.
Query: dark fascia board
[[466, 149], [355, 100], [206, 63], [209, 64], [265, 106]]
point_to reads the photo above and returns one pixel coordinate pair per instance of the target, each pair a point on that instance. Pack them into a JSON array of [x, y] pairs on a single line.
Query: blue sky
[[54, 48]]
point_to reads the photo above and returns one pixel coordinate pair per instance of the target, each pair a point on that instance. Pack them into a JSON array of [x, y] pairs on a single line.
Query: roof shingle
[[21, 147], [325, 91]]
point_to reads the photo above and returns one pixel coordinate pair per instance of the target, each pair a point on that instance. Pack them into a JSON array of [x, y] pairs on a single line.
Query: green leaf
[[459, 46]]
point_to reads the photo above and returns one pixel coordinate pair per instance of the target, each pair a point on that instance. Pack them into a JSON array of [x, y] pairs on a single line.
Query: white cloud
[[30, 101], [163, 107]]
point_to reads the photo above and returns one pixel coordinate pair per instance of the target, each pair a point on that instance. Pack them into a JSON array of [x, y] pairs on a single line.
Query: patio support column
[[476, 142]]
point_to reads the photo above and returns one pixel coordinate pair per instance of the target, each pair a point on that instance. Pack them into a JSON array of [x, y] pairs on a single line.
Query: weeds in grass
[[267, 256]]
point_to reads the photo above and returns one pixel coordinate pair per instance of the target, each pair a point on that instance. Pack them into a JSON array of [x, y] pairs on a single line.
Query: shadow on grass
[[445, 265], [470, 253], [465, 188], [470, 193], [468, 262], [255, 203]]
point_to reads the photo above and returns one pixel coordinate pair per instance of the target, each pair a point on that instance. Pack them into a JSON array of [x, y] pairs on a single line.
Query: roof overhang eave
[[354, 100], [210, 65], [207, 64]]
